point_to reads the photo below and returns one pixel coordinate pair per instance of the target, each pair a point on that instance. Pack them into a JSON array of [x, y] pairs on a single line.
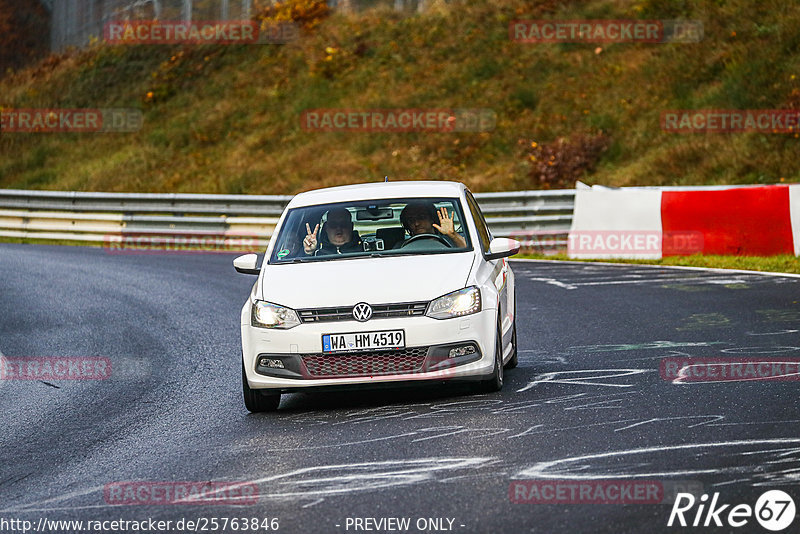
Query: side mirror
[[502, 247], [246, 264]]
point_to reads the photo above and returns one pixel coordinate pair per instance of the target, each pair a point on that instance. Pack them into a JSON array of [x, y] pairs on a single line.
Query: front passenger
[[338, 236]]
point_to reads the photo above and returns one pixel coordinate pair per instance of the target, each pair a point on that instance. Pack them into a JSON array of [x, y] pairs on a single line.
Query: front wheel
[[257, 401], [495, 382]]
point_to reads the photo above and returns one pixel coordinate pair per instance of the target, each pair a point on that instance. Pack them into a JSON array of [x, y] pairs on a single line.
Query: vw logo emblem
[[362, 312]]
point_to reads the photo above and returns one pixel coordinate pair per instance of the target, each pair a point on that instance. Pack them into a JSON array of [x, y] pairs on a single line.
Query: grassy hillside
[[226, 119]]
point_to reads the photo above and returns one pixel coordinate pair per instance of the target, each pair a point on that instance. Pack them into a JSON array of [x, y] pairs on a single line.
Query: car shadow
[[373, 398]]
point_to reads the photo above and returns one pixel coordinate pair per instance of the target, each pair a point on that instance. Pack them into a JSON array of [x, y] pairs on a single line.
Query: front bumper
[[433, 337]]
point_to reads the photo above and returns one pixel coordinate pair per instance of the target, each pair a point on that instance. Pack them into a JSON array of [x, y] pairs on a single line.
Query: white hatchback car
[[390, 283]]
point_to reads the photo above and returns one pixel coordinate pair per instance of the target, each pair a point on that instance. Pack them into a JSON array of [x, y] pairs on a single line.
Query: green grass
[[222, 119], [776, 264]]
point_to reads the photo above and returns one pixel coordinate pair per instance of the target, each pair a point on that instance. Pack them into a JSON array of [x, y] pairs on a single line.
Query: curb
[[679, 267]]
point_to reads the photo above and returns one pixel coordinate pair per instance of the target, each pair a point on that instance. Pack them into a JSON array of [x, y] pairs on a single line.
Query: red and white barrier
[[650, 223], [616, 223], [794, 214]]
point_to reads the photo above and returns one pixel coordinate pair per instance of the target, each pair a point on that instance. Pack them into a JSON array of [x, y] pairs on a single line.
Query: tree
[[24, 33]]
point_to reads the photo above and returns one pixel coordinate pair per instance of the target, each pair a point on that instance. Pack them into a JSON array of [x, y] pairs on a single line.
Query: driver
[[418, 218]]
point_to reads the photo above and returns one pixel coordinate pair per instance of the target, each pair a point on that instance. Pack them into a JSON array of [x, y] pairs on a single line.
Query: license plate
[[385, 339]]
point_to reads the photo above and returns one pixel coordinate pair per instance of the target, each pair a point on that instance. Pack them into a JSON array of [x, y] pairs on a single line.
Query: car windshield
[[387, 227]]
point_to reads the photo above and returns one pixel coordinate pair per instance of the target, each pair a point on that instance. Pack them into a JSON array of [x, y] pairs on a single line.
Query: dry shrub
[[559, 164]]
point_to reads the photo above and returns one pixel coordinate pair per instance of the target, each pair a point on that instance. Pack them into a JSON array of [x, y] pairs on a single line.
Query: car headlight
[[456, 304], [268, 315]]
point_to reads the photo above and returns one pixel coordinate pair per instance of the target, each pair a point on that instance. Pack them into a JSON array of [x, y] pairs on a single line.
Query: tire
[[495, 382], [514, 360], [256, 401]]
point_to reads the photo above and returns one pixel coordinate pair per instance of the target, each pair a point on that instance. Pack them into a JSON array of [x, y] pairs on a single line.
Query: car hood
[[346, 282]]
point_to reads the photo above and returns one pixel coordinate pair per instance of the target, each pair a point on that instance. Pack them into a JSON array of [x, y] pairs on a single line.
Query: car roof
[[378, 190]]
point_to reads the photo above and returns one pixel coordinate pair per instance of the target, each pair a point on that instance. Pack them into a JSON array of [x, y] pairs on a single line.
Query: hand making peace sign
[[310, 241]]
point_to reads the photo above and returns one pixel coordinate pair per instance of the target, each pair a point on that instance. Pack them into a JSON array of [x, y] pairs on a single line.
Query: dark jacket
[[326, 247]]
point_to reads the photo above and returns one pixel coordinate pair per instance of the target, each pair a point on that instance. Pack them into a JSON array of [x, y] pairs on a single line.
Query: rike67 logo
[[774, 510]]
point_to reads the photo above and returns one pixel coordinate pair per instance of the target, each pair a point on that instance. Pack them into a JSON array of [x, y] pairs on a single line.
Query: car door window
[[480, 223]]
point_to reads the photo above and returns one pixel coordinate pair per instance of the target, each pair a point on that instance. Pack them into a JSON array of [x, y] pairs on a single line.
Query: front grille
[[379, 311], [353, 364]]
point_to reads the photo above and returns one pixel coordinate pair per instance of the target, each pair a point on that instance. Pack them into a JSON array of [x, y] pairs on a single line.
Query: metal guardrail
[[168, 203], [106, 217], [519, 212]]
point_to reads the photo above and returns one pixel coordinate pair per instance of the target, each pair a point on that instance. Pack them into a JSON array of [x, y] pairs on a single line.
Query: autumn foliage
[[306, 13]]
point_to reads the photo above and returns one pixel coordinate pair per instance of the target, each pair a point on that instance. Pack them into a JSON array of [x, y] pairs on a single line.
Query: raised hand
[[445, 225], [310, 241]]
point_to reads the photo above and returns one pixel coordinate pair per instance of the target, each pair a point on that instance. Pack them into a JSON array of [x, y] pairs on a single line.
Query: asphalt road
[[587, 402]]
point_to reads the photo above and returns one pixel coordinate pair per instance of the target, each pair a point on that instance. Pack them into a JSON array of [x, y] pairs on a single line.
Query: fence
[[541, 219], [76, 22]]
